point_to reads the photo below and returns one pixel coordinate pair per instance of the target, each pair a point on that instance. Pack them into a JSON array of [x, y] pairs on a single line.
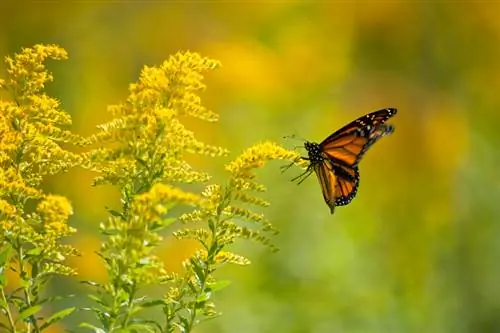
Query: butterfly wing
[[338, 185], [346, 186], [368, 120], [327, 181], [379, 132], [347, 145]]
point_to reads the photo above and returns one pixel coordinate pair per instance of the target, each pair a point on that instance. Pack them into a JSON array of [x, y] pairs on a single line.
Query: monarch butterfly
[[335, 160]]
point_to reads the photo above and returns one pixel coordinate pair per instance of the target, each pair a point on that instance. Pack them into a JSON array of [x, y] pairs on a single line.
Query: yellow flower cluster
[[152, 140], [175, 85], [257, 156], [151, 205], [26, 73], [220, 206], [30, 130], [30, 134], [242, 170]]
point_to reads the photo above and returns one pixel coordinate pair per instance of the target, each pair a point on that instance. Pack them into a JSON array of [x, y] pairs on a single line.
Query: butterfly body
[[335, 160]]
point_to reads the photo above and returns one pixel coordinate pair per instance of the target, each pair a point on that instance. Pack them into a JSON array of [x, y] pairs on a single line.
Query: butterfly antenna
[[295, 137]]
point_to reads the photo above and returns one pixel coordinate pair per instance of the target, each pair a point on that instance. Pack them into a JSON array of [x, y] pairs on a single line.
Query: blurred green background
[[417, 250]]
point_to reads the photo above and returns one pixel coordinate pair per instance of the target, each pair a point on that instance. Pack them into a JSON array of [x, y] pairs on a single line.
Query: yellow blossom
[[257, 156], [54, 209], [151, 139], [228, 257], [26, 71]]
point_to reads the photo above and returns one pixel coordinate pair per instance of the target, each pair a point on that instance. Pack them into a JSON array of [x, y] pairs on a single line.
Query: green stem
[[7, 309], [26, 291], [213, 250], [129, 307]]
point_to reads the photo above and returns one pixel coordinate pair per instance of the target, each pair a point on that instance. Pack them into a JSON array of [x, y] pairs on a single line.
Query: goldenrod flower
[[228, 257], [26, 74], [31, 130], [257, 156], [152, 140]]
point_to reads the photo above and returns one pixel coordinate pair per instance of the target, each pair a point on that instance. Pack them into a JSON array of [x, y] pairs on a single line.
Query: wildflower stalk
[[30, 128], [10, 317], [147, 159], [213, 249]]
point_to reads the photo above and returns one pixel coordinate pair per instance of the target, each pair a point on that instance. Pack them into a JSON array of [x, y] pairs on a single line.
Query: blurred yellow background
[[417, 250]]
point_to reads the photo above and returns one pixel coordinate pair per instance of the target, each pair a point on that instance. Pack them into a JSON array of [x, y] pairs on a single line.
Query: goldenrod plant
[[33, 224], [142, 151]]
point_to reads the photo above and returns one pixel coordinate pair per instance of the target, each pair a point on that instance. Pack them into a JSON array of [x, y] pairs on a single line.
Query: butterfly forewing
[[351, 142], [347, 152], [366, 122]]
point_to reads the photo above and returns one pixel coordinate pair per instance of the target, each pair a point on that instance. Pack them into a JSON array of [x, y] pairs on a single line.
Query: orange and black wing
[[327, 181], [347, 145], [339, 186], [346, 185]]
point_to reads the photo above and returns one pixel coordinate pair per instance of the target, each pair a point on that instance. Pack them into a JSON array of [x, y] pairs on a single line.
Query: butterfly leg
[[302, 176], [286, 167]]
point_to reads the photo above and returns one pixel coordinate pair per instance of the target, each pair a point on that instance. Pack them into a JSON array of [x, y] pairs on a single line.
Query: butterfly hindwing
[[327, 181], [346, 186]]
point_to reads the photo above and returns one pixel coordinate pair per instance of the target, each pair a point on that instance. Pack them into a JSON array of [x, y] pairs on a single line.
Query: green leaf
[[34, 251], [114, 212], [140, 328], [3, 305], [16, 124], [203, 298], [165, 222], [184, 324], [219, 285], [55, 298], [142, 162], [30, 311], [110, 232], [196, 264], [152, 303], [93, 284], [4, 255], [3, 278], [99, 301], [200, 305], [92, 327], [149, 322], [57, 316]]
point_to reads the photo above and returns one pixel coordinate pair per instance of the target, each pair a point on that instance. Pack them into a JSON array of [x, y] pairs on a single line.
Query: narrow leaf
[[30, 311], [152, 303], [57, 316], [219, 285], [114, 212], [4, 255], [196, 264], [3, 278], [92, 327], [55, 298], [203, 297], [140, 328]]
